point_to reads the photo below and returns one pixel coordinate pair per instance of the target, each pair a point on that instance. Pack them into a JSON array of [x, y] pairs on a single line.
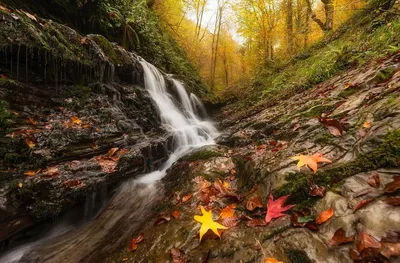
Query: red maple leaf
[[275, 208]]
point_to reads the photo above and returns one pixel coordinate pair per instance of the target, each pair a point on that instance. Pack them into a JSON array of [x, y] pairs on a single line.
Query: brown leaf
[[176, 214], [254, 203], [374, 180], [362, 203], [391, 236], [312, 226], [73, 183], [364, 241], [394, 201], [230, 221], [393, 186], [134, 242], [178, 256], [51, 172], [186, 198], [162, 219], [107, 165], [324, 216], [367, 125], [334, 126], [316, 190], [340, 238], [256, 222]]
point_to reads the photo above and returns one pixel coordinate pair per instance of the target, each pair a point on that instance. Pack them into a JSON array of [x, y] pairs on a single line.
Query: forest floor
[[353, 119]]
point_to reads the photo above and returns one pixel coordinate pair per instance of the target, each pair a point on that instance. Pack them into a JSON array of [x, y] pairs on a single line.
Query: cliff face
[[74, 117], [132, 24]]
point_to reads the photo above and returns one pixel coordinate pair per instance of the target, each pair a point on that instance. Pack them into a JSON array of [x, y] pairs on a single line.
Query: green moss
[[387, 154], [202, 155], [107, 48], [274, 233], [349, 91]]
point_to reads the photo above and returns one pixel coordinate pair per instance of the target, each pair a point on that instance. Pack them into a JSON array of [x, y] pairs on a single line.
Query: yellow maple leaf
[[76, 120], [311, 161], [207, 223]]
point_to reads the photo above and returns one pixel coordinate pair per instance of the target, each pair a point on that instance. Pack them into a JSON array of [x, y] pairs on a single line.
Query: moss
[[318, 110], [297, 256], [349, 91], [274, 233], [107, 48], [202, 155], [324, 139], [5, 117], [387, 154]]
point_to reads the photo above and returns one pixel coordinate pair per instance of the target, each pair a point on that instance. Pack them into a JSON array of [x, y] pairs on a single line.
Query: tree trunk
[[329, 13], [289, 26]]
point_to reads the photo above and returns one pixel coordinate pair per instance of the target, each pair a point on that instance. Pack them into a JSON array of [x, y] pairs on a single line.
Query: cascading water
[[130, 206]]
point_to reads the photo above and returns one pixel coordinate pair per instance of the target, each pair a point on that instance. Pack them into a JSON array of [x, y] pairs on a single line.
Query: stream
[[130, 206]]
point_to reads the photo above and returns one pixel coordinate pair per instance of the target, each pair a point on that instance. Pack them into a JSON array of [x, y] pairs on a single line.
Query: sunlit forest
[[228, 41]]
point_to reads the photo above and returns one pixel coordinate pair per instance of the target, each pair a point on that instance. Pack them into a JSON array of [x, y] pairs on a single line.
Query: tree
[[329, 14]]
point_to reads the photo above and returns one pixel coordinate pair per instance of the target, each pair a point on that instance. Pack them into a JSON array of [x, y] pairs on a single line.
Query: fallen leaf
[[51, 171], [32, 173], [107, 165], [374, 180], [364, 241], [316, 190], [32, 17], [272, 260], [134, 242], [311, 161], [324, 216], [73, 183], [176, 214], [207, 223], [362, 203], [76, 120], [112, 151], [340, 238], [275, 208], [256, 222], [227, 212], [394, 201], [20, 185], [392, 236], [186, 198], [389, 250], [334, 126], [254, 203], [393, 186], [161, 220], [367, 125], [30, 143], [230, 222], [178, 256], [32, 121]]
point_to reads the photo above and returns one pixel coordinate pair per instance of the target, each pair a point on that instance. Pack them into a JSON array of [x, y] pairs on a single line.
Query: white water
[[189, 130], [132, 201]]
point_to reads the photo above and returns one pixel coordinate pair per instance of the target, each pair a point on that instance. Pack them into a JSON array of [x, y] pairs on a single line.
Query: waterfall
[[130, 207]]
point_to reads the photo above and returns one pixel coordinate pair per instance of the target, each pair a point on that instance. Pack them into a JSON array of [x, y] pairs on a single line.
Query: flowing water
[[130, 206]]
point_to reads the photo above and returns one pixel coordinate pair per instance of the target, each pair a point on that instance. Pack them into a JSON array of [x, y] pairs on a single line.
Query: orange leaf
[[32, 121], [30, 143], [311, 161], [51, 171], [32, 173], [227, 212], [186, 198], [112, 151], [20, 185], [364, 241], [176, 214], [367, 124], [134, 242], [340, 238], [324, 216], [362, 204], [76, 120], [272, 260]]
